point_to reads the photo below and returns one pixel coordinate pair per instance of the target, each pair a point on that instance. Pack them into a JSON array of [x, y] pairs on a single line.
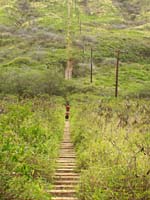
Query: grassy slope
[[111, 137], [39, 43], [30, 136]]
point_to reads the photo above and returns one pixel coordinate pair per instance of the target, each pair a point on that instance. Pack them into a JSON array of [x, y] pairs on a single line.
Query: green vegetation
[[33, 41], [112, 140], [111, 136], [134, 80], [30, 135]]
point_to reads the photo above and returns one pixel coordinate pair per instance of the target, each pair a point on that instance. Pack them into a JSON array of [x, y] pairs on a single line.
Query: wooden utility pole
[[80, 24], [117, 73], [69, 67], [91, 74]]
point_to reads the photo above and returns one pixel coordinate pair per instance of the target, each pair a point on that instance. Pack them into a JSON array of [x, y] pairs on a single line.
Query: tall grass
[[112, 139], [30, 136]]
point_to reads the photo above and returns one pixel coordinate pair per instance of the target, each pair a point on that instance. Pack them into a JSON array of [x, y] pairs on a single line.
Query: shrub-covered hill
[[33, 35]]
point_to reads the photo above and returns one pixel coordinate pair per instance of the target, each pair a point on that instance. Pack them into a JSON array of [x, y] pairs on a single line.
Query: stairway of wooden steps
[[65, 178]]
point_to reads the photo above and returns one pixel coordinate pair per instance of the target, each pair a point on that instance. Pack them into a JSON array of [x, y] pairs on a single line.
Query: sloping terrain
[[33, 37]]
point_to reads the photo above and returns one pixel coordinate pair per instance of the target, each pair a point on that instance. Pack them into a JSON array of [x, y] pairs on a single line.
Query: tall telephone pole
[[91, 75], [117, 73]]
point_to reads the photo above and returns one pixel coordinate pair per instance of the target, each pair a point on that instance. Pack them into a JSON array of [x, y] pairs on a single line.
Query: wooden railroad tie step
[[64, 198], [64, 187], [66, 177], [63, 164], [65, 161], [64, 193], [66, 182], [67, 156], [66, 165], [65, 170], [64, 152], [66, 174]]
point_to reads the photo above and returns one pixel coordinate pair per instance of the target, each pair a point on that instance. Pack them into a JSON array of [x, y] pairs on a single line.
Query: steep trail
[[65, 178]]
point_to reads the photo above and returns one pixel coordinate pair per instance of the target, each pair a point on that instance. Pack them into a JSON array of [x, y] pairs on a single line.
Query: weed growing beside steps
[[112, 139], [30, 135]]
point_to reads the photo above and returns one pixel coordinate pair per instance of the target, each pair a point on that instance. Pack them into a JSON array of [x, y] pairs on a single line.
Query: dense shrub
[[31, 82]]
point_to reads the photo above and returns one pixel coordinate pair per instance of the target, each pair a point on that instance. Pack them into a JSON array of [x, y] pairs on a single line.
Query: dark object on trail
[[67, 110], [67, 115], [67, 107]]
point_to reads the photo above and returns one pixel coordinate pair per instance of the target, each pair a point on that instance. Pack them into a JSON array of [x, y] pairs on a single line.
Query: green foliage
[[20, 62], [26, 82], [112, 144], [113, 147], [30, 137], [133, 79], [52, 16], [41, 44]]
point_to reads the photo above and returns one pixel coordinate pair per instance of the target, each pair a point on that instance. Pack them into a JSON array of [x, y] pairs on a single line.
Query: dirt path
[[66, 179]]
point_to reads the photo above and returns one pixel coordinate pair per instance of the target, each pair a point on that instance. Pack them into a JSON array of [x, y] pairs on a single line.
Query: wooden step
[[67, 153], [66, 187], [66, 160], [60, 164], [67, 150], [65, 170], [65, 146], [65, 163], [67, 156], [66, 182], [64, 198], [66, 174], [66, 142], [71, 148], [64, 193], [66, 178], [65, 167], [73, 167]]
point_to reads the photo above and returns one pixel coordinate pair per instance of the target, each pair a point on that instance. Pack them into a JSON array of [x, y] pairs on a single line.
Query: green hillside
[[33, 35], [111, 136]]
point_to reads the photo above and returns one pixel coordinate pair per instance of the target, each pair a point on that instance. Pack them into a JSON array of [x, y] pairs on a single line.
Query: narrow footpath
[[65, 178]]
